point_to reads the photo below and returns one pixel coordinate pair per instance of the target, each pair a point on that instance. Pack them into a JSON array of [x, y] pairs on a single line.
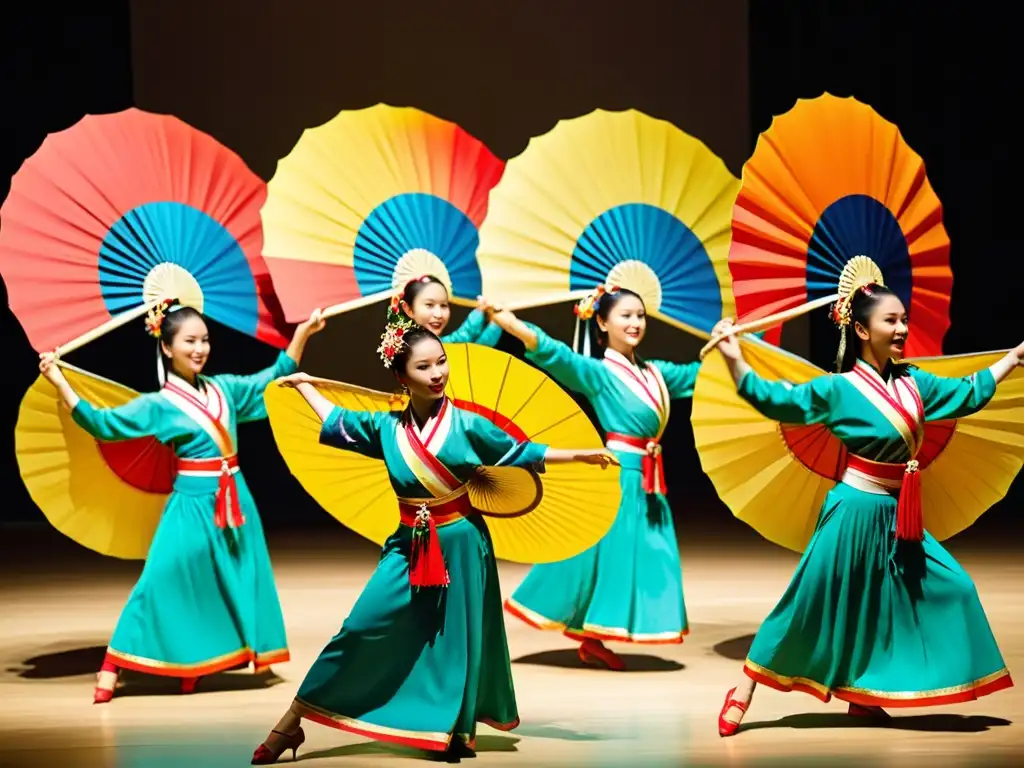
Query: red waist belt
[[227, 512], [426, 560], [653, 466], [909, 515]]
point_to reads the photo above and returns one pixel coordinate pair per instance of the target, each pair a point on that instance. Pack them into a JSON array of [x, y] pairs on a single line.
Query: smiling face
[[885, 331], [625, 322], [188, 347], [426, 369], [430, 308]]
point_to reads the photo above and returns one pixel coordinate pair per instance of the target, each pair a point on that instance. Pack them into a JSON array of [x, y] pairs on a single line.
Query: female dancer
[[628, 587], [425, 301], [415, 664], [206, 599], [878, 613]]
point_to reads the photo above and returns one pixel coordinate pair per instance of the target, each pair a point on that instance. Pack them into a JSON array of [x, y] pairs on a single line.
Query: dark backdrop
[[254, 74]]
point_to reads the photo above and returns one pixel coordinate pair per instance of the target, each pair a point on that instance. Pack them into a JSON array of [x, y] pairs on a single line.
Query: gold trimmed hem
[[593, 631], [435, 741], [198, 669], [996, 681]]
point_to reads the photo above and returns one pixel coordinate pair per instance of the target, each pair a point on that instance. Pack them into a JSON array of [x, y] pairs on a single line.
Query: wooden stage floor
[[59, 604]]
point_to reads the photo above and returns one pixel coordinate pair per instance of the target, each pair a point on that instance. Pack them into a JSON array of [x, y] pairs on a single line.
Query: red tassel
[[220, 510], [654, 470], [909, 518], [227, 506], [426, 561]]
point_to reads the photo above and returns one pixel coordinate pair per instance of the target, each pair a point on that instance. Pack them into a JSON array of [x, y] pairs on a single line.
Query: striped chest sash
[[211, 416], [649, 386], [450, 500], [880, 477]]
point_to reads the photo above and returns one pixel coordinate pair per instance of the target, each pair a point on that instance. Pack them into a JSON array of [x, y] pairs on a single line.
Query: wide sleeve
[[246, 392], [579, 373], [475, 330], [680, 378], [953, 398], [808, 403], [496, 448], [139, 418], [356, 431]]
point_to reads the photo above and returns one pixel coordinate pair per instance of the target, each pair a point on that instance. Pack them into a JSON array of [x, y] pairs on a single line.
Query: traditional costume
[[628, 587], [206, 599], [878, 613], [420, 666]]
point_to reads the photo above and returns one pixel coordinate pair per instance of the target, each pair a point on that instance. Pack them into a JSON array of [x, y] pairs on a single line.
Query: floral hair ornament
[[584, 311], [858, 275], [393, 338], [155, 316], [154, 327]]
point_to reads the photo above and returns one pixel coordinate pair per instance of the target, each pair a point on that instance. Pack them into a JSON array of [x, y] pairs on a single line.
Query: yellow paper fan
[[532, 518], [981, 456], [775, 476], [614, 198], [107, 496], [371, 199]]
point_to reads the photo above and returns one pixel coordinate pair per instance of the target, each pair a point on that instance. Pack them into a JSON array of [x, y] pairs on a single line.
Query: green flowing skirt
[[206, 599], [876, 622], [419, 667], [628, 587]]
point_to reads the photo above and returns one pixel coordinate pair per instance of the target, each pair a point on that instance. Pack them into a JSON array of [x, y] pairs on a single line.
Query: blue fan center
[[411, 221], [857, 225], [169, 232], [690, 292]]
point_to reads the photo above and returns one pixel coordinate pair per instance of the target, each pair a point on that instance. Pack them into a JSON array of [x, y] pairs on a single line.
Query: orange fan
[[829, 181]]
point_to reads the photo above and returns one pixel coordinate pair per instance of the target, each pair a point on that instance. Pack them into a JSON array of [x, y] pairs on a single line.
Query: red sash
[[227, 512], [653, 465]]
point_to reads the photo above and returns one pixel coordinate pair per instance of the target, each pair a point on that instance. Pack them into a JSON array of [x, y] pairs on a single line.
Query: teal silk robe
[[206, 599], [628, 587], [419, 667], [474, 330], [866, 619]]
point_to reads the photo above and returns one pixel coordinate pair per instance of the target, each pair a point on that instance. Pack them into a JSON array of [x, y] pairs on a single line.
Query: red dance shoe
[[594, 653], [266, 756], [725, 728]]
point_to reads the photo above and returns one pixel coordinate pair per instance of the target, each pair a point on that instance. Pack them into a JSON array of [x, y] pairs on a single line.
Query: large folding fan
[[831, 181], [775, 476], [372, 199], [107, 496], [532, 518], [615, 199], [122, 211]]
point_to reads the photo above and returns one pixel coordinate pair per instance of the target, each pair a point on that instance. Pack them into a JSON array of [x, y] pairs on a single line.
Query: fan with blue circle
[[121, 211], [613, 199], [371, 200], [831, 182]]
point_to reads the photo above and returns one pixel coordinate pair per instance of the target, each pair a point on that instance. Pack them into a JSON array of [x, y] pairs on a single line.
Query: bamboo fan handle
[[768, 322], [347, 306], [100, 330], [549, 300]]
